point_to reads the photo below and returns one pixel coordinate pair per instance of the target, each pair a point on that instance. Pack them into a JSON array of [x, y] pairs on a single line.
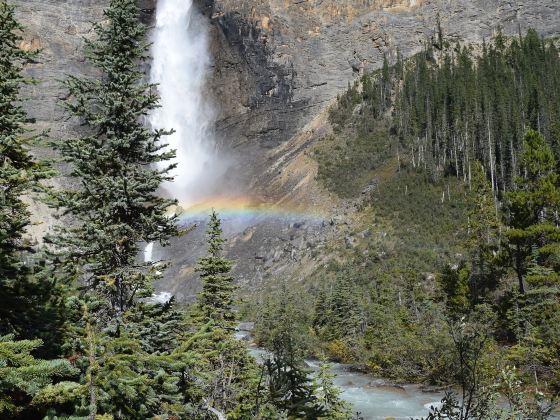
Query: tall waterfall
[[181, 64]]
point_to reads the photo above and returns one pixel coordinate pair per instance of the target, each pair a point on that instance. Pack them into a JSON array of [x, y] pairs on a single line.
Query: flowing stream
[[373, 398]]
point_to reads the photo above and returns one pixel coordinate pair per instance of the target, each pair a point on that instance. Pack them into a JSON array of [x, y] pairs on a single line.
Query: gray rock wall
[[298, 54], [277, 62]]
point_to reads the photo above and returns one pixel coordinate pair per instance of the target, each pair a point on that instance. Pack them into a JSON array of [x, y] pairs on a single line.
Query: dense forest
[[452, 156]]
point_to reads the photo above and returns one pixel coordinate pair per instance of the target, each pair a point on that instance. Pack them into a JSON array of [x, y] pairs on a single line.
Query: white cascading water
[[181, 64]]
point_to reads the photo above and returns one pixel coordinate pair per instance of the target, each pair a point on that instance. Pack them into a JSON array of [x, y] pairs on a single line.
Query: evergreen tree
[[454, 282], [483, 230], [27, 384], [114, 205], [118, 166], [228, 375], [32, 300], [328, 395], [533, 215], [281, 330], [216, 300], [533, 242], [18, 170]]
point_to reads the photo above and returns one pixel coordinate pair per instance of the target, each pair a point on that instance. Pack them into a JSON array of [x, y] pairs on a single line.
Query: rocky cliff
[[277, 65]]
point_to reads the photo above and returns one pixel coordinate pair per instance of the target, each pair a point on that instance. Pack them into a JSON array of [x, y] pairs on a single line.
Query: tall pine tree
[[217, 297], [229, 374], [532, 210], [114, 207]]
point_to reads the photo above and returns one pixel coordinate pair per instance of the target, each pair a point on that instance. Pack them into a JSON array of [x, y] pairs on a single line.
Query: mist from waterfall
[[181, 65]]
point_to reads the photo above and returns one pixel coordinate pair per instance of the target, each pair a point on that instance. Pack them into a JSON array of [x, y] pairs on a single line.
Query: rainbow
[[245, 208]]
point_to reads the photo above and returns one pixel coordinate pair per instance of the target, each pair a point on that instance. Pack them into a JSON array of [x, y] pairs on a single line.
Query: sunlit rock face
[[295, 55], [280, 60]]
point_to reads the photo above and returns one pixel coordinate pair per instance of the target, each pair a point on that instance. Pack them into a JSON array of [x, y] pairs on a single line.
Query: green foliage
[[328, 395], [532, 240], [32, 303], [532, 210], [26, 383], [482, 233], [215, 302], [338, 312], [487, 119], [283, 328], [290, 389], [284, 322], [454, 282], [348, 160], [114, 205], [450, 108], [228, 376], [18, 170]]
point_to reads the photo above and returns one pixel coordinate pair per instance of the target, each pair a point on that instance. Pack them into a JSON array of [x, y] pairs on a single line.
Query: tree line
[[453, 105], [482, 119]]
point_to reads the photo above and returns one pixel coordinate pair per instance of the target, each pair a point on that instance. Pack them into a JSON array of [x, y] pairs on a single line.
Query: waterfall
[[181, 65], [148, 252]]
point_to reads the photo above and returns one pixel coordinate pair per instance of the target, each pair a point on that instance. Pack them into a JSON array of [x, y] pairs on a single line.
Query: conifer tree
[[328, 395], [281, 331], [217, 297], [114, 205], [483, 229], [18, 170], [32, 301], [27, 384], [533, 215], [228, 374]]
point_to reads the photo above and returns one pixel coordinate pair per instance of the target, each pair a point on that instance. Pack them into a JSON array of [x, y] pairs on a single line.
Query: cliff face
[[277, 62], [277, 65], [300, 53]]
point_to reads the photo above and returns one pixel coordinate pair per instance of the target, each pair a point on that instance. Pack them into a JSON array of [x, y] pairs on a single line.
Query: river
[[374, 398]]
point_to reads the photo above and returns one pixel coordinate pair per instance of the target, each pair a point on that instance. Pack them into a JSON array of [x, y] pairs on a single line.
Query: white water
[[148, 252], [368, 395], [181, 65]]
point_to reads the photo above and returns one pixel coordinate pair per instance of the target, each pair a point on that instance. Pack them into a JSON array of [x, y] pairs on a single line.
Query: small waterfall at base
[[181, 64], [148, 252]]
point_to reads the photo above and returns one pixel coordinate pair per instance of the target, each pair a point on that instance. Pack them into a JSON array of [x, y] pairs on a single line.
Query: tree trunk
[[518, 270]]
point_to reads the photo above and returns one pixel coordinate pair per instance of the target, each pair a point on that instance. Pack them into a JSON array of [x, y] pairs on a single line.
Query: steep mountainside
[[277, 65]]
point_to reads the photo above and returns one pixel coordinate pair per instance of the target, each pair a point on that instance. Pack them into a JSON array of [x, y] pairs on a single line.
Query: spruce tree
[[328, 395], [18, 170], [228, 375], [217, 297], [28, 385], [281, 330], [32, 301], [114, 207], [534, 246], [482, 231], [533, 215]]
